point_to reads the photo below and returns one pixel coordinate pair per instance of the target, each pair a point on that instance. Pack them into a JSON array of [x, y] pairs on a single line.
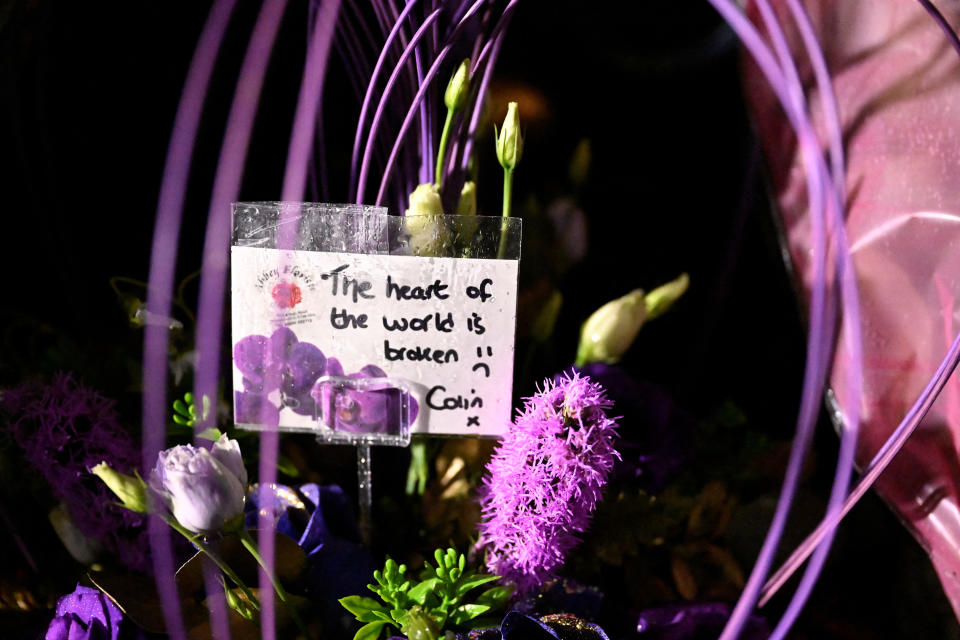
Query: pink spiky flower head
[[545, 479]]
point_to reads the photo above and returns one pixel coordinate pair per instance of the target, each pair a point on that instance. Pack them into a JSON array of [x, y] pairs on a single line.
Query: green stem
[[442, 151], [251, 546], [507, 198], [197, 540]]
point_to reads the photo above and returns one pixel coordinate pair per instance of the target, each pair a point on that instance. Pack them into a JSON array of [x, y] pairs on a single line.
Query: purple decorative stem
[[851, 316], [873, 470], [162, 264], [311, 92], [294, 182], [226, 187], [354, 41], [426, 133], [815, 369], [910, 422], [490, 52], [377, 67], [942, 23], [381, 106], [831, 113], [428, 79], [216, 600]]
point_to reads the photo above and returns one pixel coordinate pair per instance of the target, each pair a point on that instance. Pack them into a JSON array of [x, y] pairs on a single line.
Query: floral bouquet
[[638, 491]]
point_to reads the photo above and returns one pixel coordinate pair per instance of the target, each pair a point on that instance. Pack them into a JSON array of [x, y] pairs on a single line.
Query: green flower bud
[[663, 297], [455, 97], [509, 140], [609, 332], [131, 490], [467, 206]]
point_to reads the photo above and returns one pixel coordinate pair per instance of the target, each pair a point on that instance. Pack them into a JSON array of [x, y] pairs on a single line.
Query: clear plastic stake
[[365, 492]]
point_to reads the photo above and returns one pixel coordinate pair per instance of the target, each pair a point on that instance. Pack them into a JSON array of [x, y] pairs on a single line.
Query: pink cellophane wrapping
[[897, 83]]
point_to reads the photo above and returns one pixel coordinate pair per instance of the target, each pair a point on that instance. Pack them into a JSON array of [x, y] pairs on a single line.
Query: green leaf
[[358, 605], [186, 422], [375, 615], [467, 612], [370, 631], [495, 596], [484, 622], [474, 581], [420, 592], [211, 434], [285, 466]]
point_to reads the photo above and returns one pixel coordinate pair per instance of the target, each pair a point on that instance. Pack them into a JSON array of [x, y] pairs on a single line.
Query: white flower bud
[[611, 329], [455, 97], [509, 140]]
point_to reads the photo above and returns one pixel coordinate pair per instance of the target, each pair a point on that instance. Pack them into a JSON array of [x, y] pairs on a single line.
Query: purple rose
[[85, 614], [203, 489]]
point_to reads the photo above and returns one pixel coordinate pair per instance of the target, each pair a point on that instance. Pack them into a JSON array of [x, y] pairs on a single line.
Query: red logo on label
[[286, 295]]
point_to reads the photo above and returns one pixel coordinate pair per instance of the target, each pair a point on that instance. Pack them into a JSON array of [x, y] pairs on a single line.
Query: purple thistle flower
[[545, 479], [64, 429]]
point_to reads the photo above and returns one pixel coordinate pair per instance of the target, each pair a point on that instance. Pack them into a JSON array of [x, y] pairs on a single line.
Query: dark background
[[88, 92]]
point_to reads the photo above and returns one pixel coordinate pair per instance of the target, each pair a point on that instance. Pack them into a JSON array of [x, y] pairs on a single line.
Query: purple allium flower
[[64, 429], [545, 479]]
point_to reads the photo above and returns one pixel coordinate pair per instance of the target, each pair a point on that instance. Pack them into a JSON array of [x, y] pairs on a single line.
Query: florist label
[[443, 325]]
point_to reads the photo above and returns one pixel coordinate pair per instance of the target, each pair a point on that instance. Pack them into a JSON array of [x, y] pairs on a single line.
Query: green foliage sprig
[[423, 608]]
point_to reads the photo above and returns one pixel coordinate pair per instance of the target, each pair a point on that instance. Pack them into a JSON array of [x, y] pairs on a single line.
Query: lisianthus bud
[[458, 88], [425, 200], [131, 490], [663, 297], [204, 490], [467, 206], [509, 140], [609, 332], [428, 236]]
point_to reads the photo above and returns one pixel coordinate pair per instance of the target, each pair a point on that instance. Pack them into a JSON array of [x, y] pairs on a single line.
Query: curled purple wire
[[427, 81], [917, 412], [385, 96], [488, 55], [159, 294], [815, 368], [364, 108], [851, 315]]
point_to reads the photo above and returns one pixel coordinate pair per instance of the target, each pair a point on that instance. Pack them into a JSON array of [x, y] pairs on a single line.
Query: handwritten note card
[[444, 325]]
